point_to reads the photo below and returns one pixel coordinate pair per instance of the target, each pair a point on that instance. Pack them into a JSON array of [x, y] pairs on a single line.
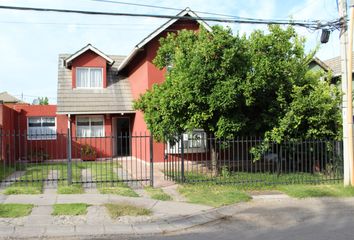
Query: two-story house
[[96, 92]]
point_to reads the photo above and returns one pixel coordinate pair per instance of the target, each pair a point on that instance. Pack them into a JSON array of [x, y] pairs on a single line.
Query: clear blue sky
[[31, 41]]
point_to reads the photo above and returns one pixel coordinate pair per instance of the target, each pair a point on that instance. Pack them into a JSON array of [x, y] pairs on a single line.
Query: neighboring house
[[25, 127], [316, 64], [6, 98], [96, 92]]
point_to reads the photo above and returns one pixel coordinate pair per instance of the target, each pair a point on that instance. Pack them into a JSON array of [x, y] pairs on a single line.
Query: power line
[[331, 25], [166, 8]]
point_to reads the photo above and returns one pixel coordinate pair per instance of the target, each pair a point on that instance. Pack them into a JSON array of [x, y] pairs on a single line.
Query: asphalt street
[[314, 219]]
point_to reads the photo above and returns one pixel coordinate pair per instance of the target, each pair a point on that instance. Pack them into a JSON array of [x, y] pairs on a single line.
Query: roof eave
[[159, 30], [68, 60]]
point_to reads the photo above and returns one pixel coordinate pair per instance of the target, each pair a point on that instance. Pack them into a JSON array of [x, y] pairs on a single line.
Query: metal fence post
[[151, 160], [182, 160], [69, 152]]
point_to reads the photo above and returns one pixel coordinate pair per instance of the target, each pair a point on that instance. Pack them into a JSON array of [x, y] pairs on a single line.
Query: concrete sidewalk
[[168, 216]]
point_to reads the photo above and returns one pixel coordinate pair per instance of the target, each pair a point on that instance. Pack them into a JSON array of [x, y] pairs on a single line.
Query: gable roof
[[5, 97], [142, 43], [115, 98], [320, 63], [336, 66], [68, 61]]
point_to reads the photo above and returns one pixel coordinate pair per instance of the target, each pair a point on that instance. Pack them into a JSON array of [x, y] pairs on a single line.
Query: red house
[[95, 98]]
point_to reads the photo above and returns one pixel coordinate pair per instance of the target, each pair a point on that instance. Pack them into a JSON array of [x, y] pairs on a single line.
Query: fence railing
[[249, 160], [45, 158]]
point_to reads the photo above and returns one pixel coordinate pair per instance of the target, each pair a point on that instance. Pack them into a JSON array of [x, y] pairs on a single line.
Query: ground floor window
[[90, 126], [192, 142], [41, 128]]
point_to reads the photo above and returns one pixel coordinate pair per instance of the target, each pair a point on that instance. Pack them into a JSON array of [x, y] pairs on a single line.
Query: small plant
[[225, 172], [88, 153], [37, 155]]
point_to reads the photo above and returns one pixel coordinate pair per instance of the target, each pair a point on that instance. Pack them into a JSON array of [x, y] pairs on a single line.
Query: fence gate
[[249, 161], [42, 160]]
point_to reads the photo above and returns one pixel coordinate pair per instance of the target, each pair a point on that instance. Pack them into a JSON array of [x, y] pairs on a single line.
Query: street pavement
[[265, 217], [310, 219]]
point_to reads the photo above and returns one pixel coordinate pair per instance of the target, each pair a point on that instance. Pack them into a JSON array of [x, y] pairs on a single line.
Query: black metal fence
[[47, 160], [249, 161]]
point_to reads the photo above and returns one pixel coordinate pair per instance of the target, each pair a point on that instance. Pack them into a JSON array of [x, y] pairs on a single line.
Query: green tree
[[232, 85], [43, 100]]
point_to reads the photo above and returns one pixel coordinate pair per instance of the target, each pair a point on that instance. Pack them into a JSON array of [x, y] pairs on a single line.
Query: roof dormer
[[89, 68]]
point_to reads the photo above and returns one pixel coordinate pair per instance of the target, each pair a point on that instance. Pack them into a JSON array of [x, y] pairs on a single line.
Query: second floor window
[[89, 77]]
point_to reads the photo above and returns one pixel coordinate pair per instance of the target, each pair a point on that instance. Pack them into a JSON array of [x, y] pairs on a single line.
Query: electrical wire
[[330, 25]]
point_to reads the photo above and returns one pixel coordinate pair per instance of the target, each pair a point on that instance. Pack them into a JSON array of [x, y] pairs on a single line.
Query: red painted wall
[[143, 74], [89, 59]]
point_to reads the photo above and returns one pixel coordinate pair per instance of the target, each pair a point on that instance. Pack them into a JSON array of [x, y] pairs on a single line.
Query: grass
[[16, 189], [14, 210], [119, 189], [158, 194], [105, 172], [5, 171], [257, 179], [213, 195], [71, 209], [306, 191], [118, 210], [72, 189]]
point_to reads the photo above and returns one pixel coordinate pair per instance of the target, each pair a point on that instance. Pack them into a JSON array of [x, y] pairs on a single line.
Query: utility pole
[[349, 96], [347, 148]]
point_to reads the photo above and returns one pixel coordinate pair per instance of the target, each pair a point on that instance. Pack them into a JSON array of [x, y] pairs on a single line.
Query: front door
[[123, 136]]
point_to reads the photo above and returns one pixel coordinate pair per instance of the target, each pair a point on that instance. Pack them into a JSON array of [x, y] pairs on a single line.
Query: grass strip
[[307, 191], [157, 194], [213, 195], [70, 209], [125, 209], [14, 210]]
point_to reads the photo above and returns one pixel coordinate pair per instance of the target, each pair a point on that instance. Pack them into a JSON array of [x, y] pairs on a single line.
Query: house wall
[[101, 145], [89, 59], [143, 75], [14, 141], [8, 126]]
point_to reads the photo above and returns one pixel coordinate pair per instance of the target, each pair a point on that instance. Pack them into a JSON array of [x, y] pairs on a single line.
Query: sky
[[30, 42]]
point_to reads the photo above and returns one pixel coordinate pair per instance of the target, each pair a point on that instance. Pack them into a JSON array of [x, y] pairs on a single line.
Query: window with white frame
[[90, 126], [41, 128], [193, 142], [89, 77]]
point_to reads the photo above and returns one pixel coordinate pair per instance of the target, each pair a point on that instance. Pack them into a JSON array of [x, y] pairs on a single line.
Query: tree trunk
[[214, 158]]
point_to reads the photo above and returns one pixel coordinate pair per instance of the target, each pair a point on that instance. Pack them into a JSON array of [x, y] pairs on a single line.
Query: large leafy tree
[[230, 85]]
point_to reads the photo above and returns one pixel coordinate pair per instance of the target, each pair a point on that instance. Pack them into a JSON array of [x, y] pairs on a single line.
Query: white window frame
[[89, 69], [90, 116], [188, 142], [38, 136]]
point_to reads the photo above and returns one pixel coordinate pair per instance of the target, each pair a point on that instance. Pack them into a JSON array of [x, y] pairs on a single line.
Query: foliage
[[43, 100], [230, 85], [38, 155], [88, 151], [201, 91]]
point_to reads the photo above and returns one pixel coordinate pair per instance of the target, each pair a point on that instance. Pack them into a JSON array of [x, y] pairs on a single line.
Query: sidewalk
[[168, 216]]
